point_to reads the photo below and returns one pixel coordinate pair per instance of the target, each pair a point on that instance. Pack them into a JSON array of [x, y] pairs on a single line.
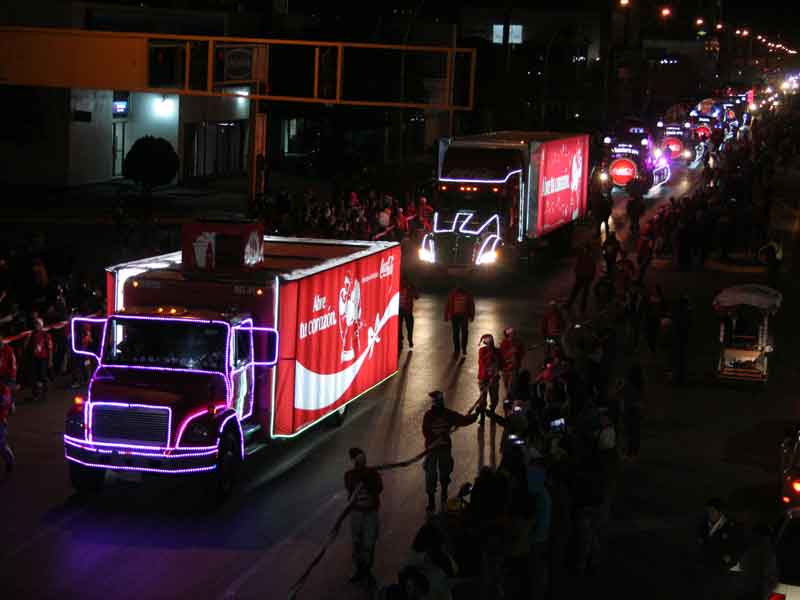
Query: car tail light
[[777, 597], [796, 486]]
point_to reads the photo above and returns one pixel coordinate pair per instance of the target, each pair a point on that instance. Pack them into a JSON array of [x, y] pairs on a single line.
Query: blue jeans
[[5, 449]]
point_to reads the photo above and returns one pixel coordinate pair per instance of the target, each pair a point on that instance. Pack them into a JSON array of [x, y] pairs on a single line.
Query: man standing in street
[[436, 426], [489, 364], [513, 351], [40, 346], [364, 487], [408, 293], [584, 275], [611, 251], [721, 544], [459, 310]]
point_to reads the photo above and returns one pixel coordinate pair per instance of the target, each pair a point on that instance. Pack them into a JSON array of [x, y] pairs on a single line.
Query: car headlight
[[426, 255], [197, 434]]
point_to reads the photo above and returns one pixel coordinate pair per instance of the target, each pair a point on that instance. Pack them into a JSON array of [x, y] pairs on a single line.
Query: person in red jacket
[[460, 310], [489, 364], [40, 346], [408, 293], [8, 364], [6, 408], [436, 427], [425, 214], [364, 486], [512, 350], [585, 269]]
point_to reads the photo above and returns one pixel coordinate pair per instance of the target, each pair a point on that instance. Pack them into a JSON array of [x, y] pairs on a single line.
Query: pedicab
[[745, 341]]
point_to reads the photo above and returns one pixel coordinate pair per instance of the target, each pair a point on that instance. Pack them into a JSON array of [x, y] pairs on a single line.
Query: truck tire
[[337, 419], [86, 481], [229, 462]]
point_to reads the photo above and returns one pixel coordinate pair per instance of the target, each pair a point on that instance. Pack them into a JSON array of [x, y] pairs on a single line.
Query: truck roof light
[[259, 292], [443, 188], [77, 401], [796, 486], [135, 283], [173, 311], [160, 309]]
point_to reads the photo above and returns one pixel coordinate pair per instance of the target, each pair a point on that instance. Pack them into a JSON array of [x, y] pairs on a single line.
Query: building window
[[293, 130]]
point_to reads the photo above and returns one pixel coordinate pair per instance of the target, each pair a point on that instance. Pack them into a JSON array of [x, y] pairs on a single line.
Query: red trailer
[[503, 189], [208, 353]]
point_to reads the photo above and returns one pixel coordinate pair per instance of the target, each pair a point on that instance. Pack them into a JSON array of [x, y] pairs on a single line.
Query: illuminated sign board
[[119, 108]]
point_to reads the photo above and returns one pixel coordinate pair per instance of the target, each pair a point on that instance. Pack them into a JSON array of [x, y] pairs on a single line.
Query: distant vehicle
[[209, 353], [676, 142], [631, 157], [501, 190]]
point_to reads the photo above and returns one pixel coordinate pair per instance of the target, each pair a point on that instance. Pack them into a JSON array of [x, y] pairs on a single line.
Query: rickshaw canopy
[[761, 297]]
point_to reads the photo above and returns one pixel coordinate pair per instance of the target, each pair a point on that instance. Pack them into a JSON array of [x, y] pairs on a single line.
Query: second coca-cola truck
[[501, 190], [208, 353]]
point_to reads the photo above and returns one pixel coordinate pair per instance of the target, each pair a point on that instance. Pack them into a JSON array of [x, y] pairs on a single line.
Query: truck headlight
[[687, 154], [196, 434], [426, 255], [603, 176], [487, 258]]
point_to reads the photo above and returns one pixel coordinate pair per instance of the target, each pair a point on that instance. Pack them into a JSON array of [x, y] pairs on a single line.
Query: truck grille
[[455, 250], [140, 425]]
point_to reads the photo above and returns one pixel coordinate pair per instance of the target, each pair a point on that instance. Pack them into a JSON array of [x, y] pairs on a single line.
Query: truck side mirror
[[265, 344], [87, 335]]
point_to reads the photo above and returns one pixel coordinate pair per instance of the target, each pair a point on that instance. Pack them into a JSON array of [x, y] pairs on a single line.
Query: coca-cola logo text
[[622, 171]]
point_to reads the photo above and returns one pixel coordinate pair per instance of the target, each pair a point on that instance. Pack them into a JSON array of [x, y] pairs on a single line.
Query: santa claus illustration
[[349, 317]]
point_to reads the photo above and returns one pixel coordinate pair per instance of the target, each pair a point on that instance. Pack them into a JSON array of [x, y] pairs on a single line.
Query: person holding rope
[[364, 486], [436, 426]]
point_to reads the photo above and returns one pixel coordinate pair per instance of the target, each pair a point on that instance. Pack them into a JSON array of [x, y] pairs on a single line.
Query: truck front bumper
[[155, 460]]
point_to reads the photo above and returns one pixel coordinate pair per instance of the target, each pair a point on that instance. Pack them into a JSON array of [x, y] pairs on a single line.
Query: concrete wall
[[90, 157], [91, 143], [153, 114]]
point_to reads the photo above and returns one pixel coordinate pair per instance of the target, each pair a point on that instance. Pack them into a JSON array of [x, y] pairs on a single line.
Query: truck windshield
[[160, 343], [484, 203]]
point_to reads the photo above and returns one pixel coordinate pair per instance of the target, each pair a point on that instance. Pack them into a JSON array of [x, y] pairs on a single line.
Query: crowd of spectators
[[35, 308], [366, 215], [525, 525]]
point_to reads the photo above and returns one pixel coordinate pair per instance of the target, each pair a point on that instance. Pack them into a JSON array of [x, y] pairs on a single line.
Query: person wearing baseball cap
[[436, 427]]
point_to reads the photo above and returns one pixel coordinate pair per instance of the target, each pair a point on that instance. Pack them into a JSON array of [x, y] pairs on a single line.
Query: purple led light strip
[[142, 469], [165, 454], [494, 218], [74, 337]]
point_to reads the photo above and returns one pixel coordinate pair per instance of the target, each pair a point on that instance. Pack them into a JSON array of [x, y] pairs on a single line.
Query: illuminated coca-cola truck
[[500, 190], [209, 353]]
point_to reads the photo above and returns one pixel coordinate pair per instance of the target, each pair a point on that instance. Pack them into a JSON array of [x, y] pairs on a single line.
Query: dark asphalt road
[[151, 540]]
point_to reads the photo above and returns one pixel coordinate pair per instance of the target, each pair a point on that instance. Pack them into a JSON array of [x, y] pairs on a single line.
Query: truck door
[[243, 373]]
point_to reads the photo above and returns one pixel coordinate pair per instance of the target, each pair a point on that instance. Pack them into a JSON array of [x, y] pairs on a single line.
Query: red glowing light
[[796, 486], [622, 171]]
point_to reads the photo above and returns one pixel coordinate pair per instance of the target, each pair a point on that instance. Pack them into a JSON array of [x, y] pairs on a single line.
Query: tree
[[151, 162]]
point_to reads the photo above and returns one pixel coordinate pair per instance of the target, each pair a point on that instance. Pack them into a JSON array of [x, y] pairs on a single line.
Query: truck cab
[[173, 393]]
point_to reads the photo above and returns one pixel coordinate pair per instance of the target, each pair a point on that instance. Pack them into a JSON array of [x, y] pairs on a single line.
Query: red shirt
[[512, 351], [489, 362], [408, 293], [8, 363], [5, 403], [459, 303], [41, 345], [552, 323]]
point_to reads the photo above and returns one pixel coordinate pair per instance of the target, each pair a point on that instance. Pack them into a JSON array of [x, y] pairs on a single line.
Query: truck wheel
[[229, 463], [337, 419], [86, 481]]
